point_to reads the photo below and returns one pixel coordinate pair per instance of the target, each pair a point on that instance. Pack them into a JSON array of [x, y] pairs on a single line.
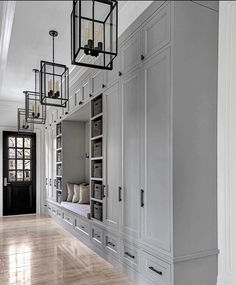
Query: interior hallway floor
[[34, 250]]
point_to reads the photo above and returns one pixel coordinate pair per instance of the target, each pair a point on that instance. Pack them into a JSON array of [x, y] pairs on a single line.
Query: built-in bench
[[79, 209]]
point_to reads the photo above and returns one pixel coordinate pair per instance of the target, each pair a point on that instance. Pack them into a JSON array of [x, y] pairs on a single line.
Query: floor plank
[[34, 250]]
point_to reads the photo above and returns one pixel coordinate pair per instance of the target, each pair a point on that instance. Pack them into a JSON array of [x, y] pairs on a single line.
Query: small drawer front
[[67, 218], [96, 236], [49, 208], [54, 211], [59, 214], [155, 269], [131, 255], [112, 244], [82, 227]]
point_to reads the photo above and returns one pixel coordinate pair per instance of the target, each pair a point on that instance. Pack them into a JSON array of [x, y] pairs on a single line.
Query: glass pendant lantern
[[23, 125], [35, 111], [54, 81], [94, 33]]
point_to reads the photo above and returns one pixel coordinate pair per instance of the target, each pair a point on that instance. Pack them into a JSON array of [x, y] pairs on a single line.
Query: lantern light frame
[[35, 111], [56, 77], [24, 126], [88, 49]]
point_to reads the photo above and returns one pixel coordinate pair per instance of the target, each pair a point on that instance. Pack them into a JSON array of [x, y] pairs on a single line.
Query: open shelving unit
[[96, 159], [58, 162]]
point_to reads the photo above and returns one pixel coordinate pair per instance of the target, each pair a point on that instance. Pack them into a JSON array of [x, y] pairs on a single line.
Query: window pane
[[19, 142], [27, 142], [19, 164], [12, 164], [27, 164], [27, 176], [11, 142], [11, 153], [12, 176], [19, 153], [19, 175], [27, 153]]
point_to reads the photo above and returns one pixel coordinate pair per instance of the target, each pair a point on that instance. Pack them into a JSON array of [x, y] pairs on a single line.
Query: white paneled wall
[[226, 144]]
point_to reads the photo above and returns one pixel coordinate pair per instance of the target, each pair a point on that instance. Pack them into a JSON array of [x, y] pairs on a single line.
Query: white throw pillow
[[70, 192], [84, 194], [76, 195]]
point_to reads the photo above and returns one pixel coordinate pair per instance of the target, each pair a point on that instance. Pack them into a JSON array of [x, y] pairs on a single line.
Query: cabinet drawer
[[54, 211], [111, 244], [82, 227], [59, 214], [68, 218], [49, 208], [96, 236], [156, 33], [155, 269], [131, 255]]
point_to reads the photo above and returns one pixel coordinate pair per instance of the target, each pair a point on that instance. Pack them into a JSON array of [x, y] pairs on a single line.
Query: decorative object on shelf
[[54, 81], [35, 111], [94, 33], [23, 125]]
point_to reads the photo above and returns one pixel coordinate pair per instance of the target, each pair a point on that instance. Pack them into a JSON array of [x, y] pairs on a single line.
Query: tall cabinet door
[[54, 190], [156, 152], [130, 96], [46, 164], [50, 151], [112, 114]]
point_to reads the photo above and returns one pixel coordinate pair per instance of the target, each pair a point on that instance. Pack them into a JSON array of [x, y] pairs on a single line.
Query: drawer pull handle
[[154, 270], [111, 244], [142, 198], [82, 227], [130, 255], [119, 189]]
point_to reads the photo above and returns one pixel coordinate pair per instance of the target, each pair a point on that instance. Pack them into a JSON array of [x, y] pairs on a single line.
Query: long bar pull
[[154, 270], [119, 189], [142, 197]]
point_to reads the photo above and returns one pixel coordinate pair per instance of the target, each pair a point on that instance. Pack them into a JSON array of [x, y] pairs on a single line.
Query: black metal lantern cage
[[94, 33], [35, 111], [23, 125], [54, 81]]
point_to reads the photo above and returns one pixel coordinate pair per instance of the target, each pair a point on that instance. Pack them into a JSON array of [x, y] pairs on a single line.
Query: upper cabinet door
[[130, 96], [130, 53], [157, 152], [112, 133], [86, 89], [78, 96], [113, 75], [156, 32], [98, 82]]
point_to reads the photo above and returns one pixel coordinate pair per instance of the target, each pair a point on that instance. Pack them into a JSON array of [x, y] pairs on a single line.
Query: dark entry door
[[19, 173]]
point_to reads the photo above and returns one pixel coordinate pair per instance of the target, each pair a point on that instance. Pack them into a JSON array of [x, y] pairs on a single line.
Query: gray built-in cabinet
[[159, 147]]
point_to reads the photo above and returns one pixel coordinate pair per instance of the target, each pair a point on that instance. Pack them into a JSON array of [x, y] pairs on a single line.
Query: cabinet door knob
[[66, 113], [103, 85], [120, 73], [142, 57], [154, 270], [90, 95], [60, 117], [80, 102]]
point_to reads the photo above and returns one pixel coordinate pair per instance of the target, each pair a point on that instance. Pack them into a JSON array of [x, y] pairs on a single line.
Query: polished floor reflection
[[34, 250]]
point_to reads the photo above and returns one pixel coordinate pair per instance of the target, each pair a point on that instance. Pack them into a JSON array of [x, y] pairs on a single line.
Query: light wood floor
[[34, 250]]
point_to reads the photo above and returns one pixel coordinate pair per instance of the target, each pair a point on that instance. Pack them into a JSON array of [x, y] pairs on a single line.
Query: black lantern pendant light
[[94, 33], [35, 111], [23, 125], [54, 81]]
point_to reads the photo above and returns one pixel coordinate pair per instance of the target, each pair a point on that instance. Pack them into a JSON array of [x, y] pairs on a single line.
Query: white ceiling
[[24, 26], [30, 42]]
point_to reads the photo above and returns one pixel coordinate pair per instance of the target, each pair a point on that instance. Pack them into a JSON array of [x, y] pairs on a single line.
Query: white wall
[[227, 144]]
